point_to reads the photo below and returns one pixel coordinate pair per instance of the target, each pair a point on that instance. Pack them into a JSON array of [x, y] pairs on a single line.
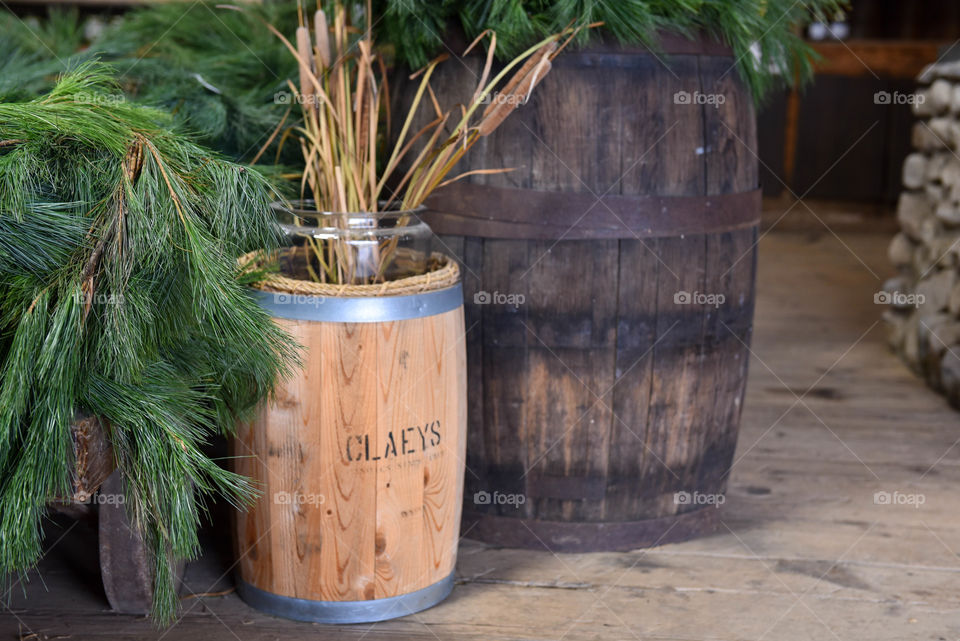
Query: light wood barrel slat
[[360, 459]]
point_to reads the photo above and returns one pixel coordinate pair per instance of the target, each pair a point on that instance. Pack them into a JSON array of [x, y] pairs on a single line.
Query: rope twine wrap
[[442, 272]]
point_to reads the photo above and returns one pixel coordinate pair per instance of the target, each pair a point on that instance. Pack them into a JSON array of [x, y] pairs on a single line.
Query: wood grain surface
[[360, 458], [598, 397]]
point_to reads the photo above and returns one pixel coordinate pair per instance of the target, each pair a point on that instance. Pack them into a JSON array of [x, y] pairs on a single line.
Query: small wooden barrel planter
[[360, 455], [606, 382]]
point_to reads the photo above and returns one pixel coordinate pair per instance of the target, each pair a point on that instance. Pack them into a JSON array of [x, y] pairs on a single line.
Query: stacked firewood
[[924, 297]]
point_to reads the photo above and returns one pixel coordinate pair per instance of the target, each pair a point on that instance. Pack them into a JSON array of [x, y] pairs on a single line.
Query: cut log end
[[93, 457]]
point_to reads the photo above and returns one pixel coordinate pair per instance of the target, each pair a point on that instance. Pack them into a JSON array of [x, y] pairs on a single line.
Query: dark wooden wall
[[910, 19], [847, 147], [806, 139], [832, 139]]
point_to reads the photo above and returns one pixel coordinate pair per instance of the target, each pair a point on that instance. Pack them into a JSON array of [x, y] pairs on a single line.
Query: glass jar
[[360, 248]]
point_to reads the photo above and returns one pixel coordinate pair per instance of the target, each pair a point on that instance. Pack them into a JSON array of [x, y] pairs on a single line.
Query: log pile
[[924, 296]]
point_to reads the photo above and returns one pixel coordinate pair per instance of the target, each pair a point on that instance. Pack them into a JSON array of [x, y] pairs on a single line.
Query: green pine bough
[[120, 297], [217, 72], [417, 27]]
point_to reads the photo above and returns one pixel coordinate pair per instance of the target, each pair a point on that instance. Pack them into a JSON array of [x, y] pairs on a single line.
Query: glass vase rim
[[299, 207]]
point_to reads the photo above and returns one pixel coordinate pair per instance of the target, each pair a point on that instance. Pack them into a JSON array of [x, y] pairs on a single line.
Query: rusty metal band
[[701, 45], [465, 209], [667, 43], [611, 536]]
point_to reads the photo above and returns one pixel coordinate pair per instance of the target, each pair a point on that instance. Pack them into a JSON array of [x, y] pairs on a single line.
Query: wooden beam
[[790, 129], [891, 58]]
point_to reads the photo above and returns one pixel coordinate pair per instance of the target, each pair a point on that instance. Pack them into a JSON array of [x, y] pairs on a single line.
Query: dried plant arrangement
[[343, 98], [121, 299]]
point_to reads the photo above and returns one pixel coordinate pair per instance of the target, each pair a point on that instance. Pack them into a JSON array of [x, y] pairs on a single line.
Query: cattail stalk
[[343, 94]]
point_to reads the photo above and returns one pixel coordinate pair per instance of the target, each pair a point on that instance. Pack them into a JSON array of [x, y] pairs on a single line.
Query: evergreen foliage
[[417, 27], [121, 297], [219, 71], [32, 51], [216, 71]]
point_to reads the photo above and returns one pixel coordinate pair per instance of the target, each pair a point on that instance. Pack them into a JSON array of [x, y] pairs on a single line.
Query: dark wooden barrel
[[604, 404]]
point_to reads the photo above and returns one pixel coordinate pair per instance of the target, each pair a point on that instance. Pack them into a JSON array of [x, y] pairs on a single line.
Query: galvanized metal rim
[[345, 611], [367, 309]]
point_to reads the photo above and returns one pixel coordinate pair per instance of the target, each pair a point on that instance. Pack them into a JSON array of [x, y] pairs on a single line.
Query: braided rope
[[441, 273]]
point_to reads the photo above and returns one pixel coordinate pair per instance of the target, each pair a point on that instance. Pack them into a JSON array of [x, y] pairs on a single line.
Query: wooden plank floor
[[805, 552]]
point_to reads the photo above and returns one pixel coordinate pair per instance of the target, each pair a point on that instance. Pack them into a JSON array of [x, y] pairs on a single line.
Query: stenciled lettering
[[394, 444]]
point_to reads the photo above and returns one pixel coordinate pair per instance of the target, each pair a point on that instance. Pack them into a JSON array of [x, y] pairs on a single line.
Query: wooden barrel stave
[[706, 358], [599, 398]]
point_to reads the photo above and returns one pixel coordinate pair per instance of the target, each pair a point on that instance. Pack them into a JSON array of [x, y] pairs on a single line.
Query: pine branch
[[122, 297], [417, 28]]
